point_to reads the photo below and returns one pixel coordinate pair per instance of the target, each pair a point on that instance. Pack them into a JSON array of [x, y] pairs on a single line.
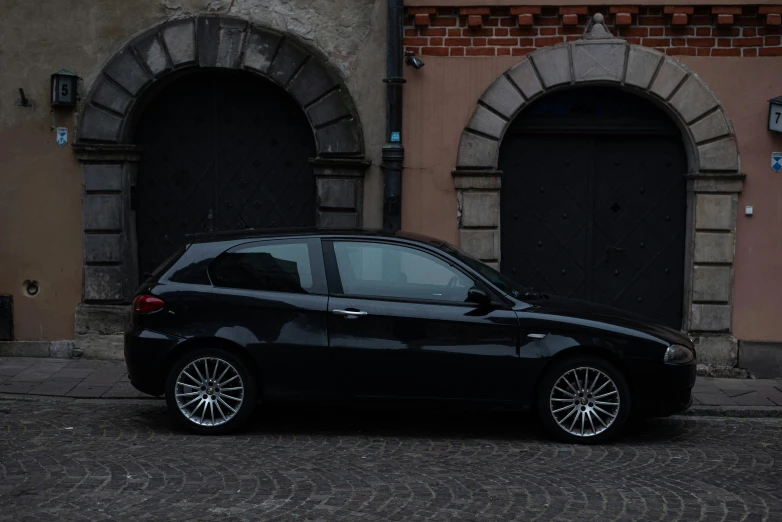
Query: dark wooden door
[[593, 205], [221, 151]]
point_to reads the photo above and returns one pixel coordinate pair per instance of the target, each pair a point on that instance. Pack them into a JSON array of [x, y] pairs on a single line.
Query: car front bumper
[[662, 389]]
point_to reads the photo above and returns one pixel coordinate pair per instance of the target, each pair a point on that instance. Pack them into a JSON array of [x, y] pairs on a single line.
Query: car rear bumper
[[663, 390], [146, 357]]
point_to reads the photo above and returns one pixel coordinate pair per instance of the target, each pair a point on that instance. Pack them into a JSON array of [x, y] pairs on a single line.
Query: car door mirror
[[477, 296]]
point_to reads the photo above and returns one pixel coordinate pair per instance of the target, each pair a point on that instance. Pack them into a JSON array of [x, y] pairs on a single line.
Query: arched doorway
[[593, 201], [222, 150]]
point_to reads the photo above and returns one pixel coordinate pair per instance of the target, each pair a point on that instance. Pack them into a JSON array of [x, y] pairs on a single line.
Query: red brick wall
[[448, 34]]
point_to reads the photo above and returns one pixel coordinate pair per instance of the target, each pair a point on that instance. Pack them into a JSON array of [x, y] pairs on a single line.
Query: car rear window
[[275, 267]]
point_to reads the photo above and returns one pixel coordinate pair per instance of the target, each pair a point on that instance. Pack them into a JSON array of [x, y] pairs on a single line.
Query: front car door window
[[398, 272]]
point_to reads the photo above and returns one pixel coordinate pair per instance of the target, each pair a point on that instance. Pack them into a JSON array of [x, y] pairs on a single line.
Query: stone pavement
[[108, 380], [102, 460]]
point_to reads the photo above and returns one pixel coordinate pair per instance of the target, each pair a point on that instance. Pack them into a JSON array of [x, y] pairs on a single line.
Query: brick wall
[[681, 30]]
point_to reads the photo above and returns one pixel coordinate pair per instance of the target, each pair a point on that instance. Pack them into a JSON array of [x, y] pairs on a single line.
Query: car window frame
[[315, 250], [334, 279]]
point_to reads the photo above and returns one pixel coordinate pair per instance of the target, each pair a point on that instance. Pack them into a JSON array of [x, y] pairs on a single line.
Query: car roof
[[253, 233]]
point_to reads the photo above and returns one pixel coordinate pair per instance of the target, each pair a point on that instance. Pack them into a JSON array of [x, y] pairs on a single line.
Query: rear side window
[[284, 266]]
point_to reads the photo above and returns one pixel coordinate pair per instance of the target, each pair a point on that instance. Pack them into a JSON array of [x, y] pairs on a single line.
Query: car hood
[[556, 305]]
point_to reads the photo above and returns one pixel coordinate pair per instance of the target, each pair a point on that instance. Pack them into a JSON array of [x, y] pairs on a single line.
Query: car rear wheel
[[583, 400], [210, 391]]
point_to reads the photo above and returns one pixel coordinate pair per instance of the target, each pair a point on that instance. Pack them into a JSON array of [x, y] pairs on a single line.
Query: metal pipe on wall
[[393, 152]]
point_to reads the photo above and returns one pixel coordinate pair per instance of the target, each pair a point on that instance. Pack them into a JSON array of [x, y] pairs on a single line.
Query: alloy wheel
[[584, 401], [209, 391]]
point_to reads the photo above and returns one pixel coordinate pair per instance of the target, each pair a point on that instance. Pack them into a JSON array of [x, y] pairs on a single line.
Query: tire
[[562, 418], [209, 411]]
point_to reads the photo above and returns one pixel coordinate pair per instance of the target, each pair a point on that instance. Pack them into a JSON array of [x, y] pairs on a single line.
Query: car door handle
[[350, 314], [536, 335]]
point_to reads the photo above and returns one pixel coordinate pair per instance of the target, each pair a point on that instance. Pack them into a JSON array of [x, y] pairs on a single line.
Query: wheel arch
[[214, 342], [584, 351]]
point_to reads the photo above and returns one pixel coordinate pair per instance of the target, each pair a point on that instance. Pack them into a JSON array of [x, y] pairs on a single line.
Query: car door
[[400, 326], [273, 298]]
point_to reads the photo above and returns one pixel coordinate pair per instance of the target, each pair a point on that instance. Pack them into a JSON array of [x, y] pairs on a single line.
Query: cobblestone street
[[80, 459]]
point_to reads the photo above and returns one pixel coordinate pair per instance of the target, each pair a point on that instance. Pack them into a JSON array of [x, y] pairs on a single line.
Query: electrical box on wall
[[6, 318]]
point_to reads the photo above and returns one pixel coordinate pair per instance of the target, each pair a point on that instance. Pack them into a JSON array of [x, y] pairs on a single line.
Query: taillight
[[145, 304]]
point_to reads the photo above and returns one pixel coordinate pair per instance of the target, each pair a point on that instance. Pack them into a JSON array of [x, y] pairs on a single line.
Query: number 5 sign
[[775, 114]]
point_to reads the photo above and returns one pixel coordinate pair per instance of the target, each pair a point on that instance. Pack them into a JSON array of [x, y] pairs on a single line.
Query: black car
[[235, 318]]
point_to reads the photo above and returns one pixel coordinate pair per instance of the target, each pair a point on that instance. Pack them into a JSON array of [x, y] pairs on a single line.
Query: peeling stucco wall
[[40, 183]]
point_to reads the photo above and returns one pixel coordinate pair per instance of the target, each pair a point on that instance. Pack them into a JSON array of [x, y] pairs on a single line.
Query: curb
[[734, 411]]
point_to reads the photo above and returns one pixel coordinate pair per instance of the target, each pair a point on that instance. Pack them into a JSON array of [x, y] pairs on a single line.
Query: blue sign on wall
[[395, 137]]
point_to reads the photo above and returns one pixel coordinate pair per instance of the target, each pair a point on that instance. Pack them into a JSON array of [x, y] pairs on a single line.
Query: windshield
[[504, 283]]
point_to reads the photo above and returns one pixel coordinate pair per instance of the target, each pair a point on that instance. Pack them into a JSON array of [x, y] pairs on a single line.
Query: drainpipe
[[393, 152]]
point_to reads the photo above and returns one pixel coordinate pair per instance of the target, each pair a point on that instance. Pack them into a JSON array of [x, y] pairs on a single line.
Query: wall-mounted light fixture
[[412, 59], [64, 85], [775, 114], [23, 101]]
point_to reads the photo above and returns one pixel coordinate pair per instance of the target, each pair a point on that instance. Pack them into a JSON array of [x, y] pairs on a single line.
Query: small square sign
[[395, 137], [62, 136], [776, 161]]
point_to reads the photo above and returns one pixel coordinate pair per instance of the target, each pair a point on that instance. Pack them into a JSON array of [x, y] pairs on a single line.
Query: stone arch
[[713, 158], [109, 157], [211, 41]]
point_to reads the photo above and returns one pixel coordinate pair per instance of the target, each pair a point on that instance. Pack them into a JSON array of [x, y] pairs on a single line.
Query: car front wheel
[[583, 400], [210, 391]]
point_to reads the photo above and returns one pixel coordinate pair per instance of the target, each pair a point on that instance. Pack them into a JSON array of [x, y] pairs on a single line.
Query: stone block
[[553, 65], [337, 220], [103, 248], [486, 122], [179, 37], [713, 247], [336, 193], [712, 126], [97, 346], [311, 82], [342, 137], [329, 108], [670, 76], [486, 180], [694, 99], [525, 78], [24, 348], [109, 96], [710, 317], [61, 349], [102, 212], [476, 151], [714, 212], [102, 177], [99, 125], [719, 155], [711, 283], [503, 97], [480, 209], [153, 54], [260, 48], [717, 350], [289, 59], [642, 63], [725, 185], [127, 72], [231, 36], [104, 283], [208, 34], [102, 319], [762, 359], [483, 244], [598, 61]]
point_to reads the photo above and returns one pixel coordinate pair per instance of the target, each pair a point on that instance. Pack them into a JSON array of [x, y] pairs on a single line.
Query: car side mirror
[[477, 296]]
